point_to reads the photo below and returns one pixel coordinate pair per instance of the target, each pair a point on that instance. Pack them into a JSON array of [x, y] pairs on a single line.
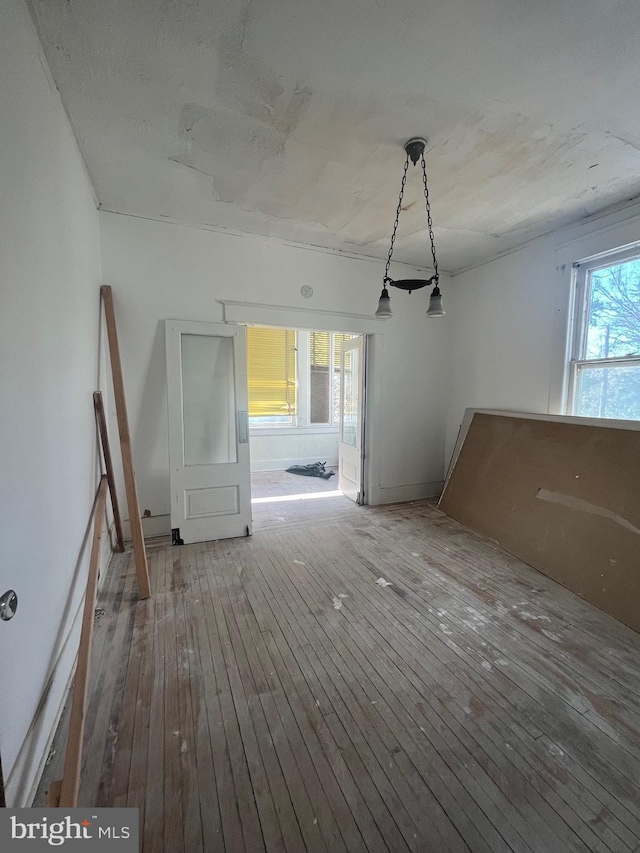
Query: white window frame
[[333, 424], [580, 319]]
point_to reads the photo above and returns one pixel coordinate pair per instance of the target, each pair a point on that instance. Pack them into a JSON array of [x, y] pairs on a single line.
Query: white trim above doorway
[[255, 313]]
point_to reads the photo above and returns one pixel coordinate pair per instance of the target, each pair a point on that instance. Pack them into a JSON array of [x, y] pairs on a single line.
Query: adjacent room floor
[[275, 694], [279, 497]]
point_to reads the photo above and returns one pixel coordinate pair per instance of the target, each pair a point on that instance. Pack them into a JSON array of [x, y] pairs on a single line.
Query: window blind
[[320, 348], [337, 340], [271, 371]]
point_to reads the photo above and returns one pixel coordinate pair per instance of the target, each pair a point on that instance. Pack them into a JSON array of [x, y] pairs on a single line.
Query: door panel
[[208, 436], [350, 465]]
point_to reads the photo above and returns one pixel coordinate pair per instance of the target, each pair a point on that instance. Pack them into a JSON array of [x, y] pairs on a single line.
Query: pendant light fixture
[[415, 151]]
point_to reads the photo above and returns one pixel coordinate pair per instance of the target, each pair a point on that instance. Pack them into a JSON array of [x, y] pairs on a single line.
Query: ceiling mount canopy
[[414, 149]]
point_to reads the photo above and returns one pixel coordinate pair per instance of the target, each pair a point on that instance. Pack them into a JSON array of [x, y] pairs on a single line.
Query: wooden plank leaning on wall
[[137, 535], [64, 792], [108, 464]]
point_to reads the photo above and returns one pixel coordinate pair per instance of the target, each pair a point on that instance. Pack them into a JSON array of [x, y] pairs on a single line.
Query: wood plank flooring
[[271, 696]]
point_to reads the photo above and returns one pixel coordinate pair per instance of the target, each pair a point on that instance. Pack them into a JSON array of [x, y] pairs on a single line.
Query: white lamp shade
[[384, 306], [435, 304]]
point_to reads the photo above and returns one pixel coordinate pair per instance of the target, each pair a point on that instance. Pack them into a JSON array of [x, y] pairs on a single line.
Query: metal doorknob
[[8, 605]]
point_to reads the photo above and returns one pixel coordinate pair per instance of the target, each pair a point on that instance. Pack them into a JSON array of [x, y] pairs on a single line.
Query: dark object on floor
[[316, 469]]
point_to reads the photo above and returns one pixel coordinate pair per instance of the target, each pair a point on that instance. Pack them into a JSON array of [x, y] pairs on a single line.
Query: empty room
[[320, 341]]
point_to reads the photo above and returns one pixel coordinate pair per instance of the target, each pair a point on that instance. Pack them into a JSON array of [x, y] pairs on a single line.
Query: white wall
[[162, 270], [49, 277], [275, 451], [511, 316]]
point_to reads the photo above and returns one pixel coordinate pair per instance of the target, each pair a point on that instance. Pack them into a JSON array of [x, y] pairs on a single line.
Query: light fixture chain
[[429, 220], [395, 224]]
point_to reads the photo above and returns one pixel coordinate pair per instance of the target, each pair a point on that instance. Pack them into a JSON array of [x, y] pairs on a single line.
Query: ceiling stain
[[230, 145], [288, 119]]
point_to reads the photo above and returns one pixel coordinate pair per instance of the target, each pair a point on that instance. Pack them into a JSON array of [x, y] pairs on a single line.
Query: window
[[271, 375], [294, 378], [324, 377], [605, 363]]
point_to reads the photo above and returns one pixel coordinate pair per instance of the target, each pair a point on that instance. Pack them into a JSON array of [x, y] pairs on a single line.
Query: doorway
[[248, 403], [306, 397]]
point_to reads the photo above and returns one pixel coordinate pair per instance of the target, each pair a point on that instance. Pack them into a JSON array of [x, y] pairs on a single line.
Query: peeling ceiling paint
[[287, 119]]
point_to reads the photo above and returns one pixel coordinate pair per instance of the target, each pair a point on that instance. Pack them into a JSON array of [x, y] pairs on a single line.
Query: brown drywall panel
[[563, 497]]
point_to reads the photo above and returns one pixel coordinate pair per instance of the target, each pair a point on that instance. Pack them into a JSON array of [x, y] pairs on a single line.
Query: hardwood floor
[[271, 696]]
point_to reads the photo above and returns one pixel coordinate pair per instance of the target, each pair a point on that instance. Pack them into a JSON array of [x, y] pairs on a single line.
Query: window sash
[[580, 322], [324, 361], [608, 389], [607, 362]]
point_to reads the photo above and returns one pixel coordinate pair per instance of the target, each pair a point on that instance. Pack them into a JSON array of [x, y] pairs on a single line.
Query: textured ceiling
[[287, 117]]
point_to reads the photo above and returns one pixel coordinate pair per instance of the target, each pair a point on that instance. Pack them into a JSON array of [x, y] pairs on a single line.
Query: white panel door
[[208, 431], [350, 450]]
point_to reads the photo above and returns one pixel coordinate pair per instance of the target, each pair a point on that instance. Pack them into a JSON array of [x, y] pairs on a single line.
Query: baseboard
[[415, 492], [160, 525], [258, 467], [152, 526], [22, 782]]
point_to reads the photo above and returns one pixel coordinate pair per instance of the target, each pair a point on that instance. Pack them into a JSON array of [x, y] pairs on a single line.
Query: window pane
[[613, 329], [271, 374], [609, 392], [208, 400], [319, 385], [319, 350], [338, 340], [324, 390], [319, 397], [351, 399]]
